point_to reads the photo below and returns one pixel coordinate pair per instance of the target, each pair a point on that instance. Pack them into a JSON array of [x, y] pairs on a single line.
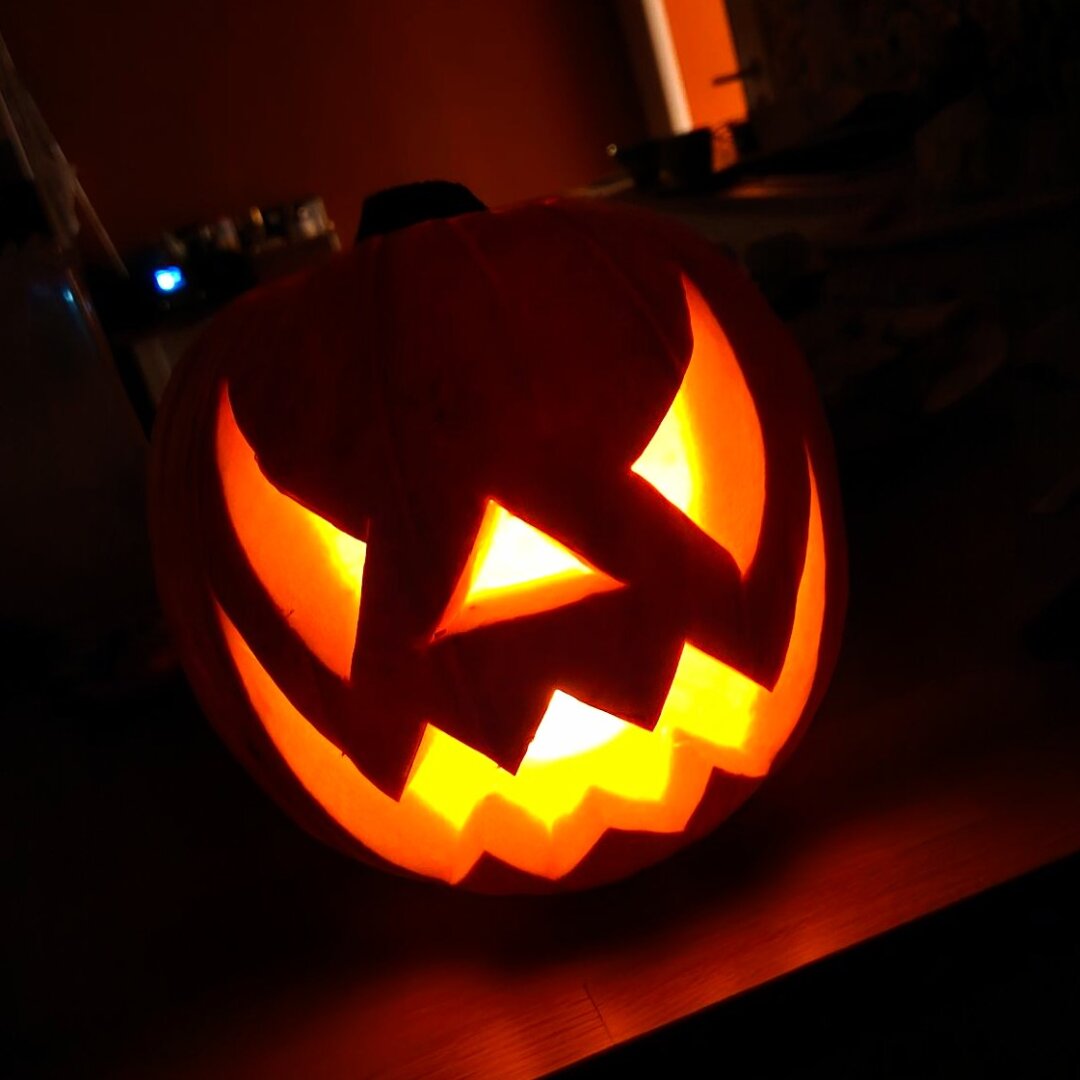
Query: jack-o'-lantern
[[505, 547]]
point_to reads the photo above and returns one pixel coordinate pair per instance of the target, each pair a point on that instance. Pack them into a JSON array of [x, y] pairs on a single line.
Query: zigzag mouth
[[586, 771]]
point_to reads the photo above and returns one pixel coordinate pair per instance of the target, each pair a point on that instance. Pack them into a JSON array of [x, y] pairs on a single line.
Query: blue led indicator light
[[169, 279]]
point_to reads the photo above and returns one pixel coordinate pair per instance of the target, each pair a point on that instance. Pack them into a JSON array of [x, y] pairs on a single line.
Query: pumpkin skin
[[504, 549]]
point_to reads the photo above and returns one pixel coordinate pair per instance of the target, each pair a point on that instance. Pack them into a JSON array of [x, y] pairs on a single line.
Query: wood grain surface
[[520, 989]]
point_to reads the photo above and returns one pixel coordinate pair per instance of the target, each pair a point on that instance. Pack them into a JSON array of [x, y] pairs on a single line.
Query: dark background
[[909, 206]]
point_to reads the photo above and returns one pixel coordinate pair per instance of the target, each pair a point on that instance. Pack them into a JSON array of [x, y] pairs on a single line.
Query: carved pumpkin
[[504, 548]]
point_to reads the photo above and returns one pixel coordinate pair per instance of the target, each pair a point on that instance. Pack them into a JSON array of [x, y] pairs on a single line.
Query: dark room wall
[[1006, 74], [177, 112]]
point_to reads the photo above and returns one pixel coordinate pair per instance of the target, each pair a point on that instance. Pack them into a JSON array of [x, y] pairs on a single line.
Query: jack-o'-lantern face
[[515, 574]]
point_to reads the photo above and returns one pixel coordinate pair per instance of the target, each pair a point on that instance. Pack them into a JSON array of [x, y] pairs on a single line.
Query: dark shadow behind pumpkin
[[77, 592]]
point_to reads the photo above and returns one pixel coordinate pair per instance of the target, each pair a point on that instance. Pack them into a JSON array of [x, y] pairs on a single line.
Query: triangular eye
[[513, 570]]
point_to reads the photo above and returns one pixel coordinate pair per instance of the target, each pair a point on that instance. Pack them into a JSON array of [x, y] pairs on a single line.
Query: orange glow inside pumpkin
[[707, 457], [586, 770], [312, 570], [516, 570]]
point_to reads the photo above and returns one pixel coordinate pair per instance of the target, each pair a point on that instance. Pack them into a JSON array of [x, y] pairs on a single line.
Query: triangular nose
[[515, 570]]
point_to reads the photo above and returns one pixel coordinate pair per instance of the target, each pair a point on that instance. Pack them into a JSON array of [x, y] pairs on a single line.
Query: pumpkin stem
[[408, 204]]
